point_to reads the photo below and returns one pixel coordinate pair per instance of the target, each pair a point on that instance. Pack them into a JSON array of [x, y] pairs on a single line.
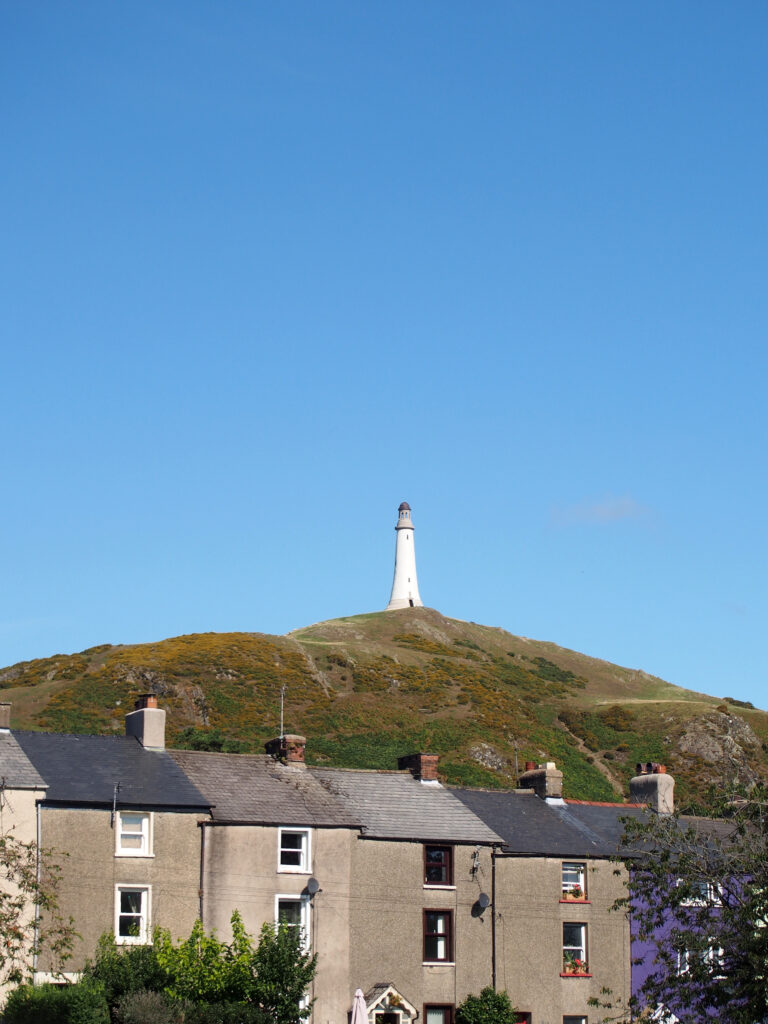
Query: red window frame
[[434, 934], [448, 1010], [442, 863]]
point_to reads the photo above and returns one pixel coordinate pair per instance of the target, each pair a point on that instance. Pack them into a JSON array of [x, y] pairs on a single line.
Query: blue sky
[[269, 269]]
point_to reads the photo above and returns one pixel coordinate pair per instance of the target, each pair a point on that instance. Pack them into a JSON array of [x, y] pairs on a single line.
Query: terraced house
[[560, 944], [416, 893], [22, 788], [124, 818]]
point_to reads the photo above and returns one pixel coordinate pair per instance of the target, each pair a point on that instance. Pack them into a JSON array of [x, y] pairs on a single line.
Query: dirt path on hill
[[597, 761]]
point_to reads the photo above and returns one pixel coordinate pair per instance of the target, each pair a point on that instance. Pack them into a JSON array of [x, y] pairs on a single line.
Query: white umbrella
[[359, 1011]]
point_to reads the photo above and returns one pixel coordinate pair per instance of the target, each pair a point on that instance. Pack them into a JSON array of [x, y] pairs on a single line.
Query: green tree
[[202, 968], [282, 971], [272, 976], [698, 899], [488, 1008], [30, 920], [122, 970]]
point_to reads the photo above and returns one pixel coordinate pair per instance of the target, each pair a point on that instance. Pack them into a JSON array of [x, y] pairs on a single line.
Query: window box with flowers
[[574, 895], [574, 883], [575, 963]]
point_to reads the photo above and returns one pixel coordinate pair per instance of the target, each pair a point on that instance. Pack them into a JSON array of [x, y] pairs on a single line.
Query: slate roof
[[83, 771], [394, 805], [16, 770], [532, 826], [258, 789]]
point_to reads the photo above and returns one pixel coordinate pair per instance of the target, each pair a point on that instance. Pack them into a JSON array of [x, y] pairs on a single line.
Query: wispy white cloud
[[735, 608], [607, 510]]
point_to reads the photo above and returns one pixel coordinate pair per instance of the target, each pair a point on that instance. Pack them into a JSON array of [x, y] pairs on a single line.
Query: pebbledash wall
[[163, 880], [377, 918], [242, 872], [390, 899], [530, 918], [21, 791]]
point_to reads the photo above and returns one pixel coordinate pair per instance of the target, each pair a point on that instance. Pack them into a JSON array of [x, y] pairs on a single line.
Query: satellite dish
[[313, 886], [484, 900]]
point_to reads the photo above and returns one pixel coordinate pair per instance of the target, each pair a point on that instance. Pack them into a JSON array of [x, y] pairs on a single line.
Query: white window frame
[[147, 834], [576, 867], [305, 864], [710, 895], [582, 948], [712, 956], [304, 913], [145, 931]]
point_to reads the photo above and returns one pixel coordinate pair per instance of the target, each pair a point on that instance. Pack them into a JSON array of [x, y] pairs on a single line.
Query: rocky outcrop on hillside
[[724, 741]]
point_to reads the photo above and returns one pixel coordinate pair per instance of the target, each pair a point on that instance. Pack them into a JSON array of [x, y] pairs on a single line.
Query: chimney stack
[[5, 716], [652, 786], [545, 781], [289, 749], [147, 722], [421, 766]]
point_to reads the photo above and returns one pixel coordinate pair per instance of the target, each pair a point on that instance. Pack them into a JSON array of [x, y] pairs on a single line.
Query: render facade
[[122, 822], [21, 791], [278, 848], [559, 941], [416, 893], [419, 930]]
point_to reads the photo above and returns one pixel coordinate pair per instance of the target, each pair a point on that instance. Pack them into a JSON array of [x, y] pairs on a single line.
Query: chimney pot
[[530, 765], [545, 781], [147, 722], [289, 748], [421, 766], [654, 787]]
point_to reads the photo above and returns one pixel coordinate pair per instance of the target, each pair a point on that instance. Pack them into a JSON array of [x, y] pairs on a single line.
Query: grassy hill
[[368, 688]]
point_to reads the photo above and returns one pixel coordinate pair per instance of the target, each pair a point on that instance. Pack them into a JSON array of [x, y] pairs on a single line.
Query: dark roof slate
[[532, 826], [256, 788], [83, 770], [16, 770], [394, 805]]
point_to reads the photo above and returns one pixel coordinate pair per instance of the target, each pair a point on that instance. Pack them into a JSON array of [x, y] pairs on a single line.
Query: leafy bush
[[124, 969], [488, 1008], [57, 1004], [156, 1008], [274, 975], [143, 1007], [225, 1013]]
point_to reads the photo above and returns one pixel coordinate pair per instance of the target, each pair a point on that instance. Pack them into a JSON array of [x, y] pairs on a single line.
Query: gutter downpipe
[[202, 867], [494, 851], [38, 875]]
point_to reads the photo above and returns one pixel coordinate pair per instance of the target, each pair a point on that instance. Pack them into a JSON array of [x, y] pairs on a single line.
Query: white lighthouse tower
[[405, 586]]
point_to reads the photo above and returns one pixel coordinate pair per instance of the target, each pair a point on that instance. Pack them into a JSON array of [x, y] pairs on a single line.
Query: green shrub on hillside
[[618, 718], [546, 669], [207, 739]]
